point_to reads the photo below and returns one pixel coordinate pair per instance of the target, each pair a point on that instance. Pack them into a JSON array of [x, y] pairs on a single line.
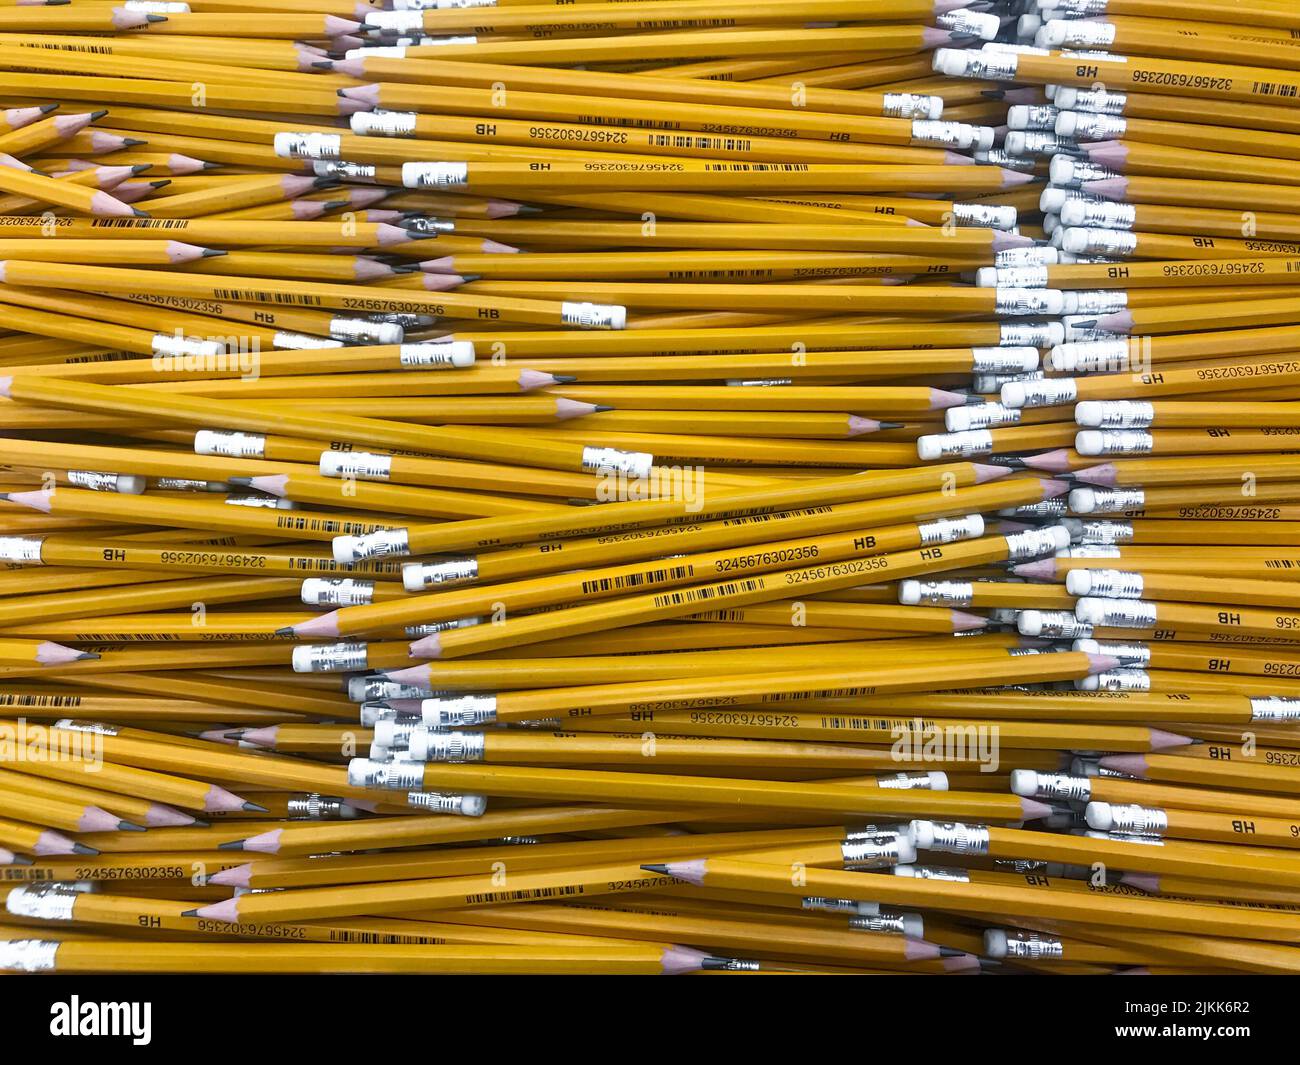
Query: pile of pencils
[[802, 486]]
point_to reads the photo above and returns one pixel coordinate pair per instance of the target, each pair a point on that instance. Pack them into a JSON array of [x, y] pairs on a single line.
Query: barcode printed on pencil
[[695, 595], [139, 223], [344, 936], [730, 144], [759, 168], [636, 580], [1272, 88], [878, 724], [525, 893], [1278, 563], [354, 528], [253, 296], [9, 699]]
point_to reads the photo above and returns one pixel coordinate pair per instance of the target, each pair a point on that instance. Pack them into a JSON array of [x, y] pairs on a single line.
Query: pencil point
[[231, 845], [252, 807], [81, 848]]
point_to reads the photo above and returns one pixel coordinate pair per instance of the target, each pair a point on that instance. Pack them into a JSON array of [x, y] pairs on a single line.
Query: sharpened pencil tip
[[81, 848], [139, 213], [231, 845], [287, 630], [657, 867], [127, 826], [254, 808], [209, 253], [87, 656], [190, 913], [951, 952], [243, 482]]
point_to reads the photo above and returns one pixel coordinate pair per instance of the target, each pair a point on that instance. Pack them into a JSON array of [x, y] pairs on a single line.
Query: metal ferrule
[[1082, 34], [1024, 164], [1100, 101], [1077, 8], [878, 852], [1125, 613], [416, 632], [825, 905], [1105, 532], [435, 801], [422, 224], [338, 168], [461, 711], [1033, 946], [907, 105], [434, 355], [941, 134], [1085, 170], [877, 832], [1020, 277], [357, 330], [435, 175], [1106, 241], [1274, 708], [907, 782], [337, 591], [1091, 551], [612, 460], [1025, 334], [1127, 837], [989, 66], [394, 776], [984, 215], [344, 657], [317, 807], [28, 955], [428, 745], [983, 416], [946, 593], [300, 145], [1042, 142], [25, 549], [46, 900], [1131, 654], [952, 873], [1041, 117], [991, 384], [1062, 625], [586, 315], [1090, 126], [1118, 500], [950, 529], [1046, 508], [1031, 544], [1062, 786], [1035, 255], [417, 575], [1116, 584], [361, 465], [302, 341], [1097, 301], [1104, 214], [517, 841], [1135, 820], [966, 444], [229, 444], [1123, 680], [954, 837], [266, 502], [366, 689], [185, 484], [381, 544], [1126, 413], [1056, 392], [892, 924]]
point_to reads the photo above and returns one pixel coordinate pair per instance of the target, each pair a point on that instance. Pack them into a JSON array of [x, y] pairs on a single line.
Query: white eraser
[[1088, 442], [995, 943], [1083, 500], [1088, 412], [921, 834], [1099, 816], [1024, 782], [909, 593], [1078, 582], [1029, 622]]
